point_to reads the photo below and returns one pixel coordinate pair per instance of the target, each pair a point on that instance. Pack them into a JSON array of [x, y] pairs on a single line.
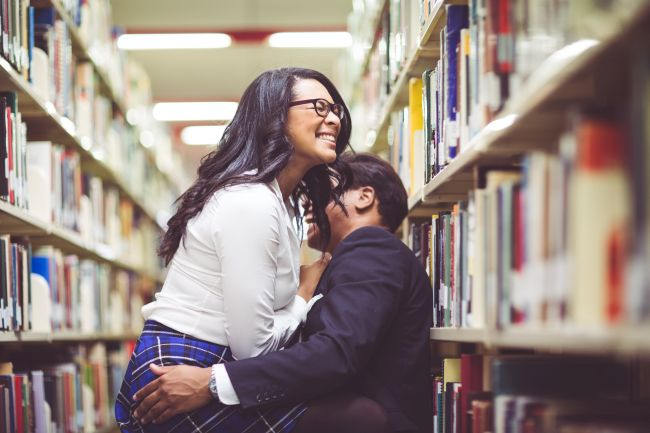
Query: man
[[367, 336]]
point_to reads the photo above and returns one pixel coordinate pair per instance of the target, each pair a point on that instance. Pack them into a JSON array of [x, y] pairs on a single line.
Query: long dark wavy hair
[[256, 139]]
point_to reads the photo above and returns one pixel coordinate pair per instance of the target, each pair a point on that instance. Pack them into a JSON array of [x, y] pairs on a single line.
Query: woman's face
[[313, 137]]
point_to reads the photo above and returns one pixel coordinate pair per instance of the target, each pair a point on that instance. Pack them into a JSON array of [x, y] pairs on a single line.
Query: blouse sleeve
[[247, 239]]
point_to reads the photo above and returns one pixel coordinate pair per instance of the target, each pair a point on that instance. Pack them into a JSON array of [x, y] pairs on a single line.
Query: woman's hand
[[310, 276]]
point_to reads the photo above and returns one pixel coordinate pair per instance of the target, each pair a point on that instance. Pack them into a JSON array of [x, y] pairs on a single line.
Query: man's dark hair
[[369, 170]]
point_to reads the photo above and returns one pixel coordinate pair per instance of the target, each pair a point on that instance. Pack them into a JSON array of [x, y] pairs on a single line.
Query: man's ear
[[365, 199]]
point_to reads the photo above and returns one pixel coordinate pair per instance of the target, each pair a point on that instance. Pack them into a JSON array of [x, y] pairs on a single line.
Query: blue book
[[41, 266], [30, 45], [45, 16], [457, 19]]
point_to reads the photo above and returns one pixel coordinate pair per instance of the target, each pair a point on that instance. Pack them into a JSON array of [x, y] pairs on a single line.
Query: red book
[[471, 378], [505, 39], [67, 404], [18, 403]]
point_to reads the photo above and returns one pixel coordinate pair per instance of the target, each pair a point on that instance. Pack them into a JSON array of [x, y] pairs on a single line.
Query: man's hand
[[179, 389]]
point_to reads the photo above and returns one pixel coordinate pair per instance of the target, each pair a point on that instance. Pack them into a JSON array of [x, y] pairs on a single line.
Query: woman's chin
[[322, 156], [328, 156]]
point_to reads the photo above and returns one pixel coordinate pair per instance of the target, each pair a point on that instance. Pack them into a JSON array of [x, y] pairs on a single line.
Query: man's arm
[[364, 287], [364, 284]]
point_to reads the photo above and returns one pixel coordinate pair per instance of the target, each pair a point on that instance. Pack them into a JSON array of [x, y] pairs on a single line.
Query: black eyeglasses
[[322, 107]]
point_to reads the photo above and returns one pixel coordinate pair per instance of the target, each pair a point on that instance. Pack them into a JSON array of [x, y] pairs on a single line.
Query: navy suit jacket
[[369, 334]]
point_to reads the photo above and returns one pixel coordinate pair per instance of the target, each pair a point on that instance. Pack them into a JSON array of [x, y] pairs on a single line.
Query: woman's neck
[[290, 176]]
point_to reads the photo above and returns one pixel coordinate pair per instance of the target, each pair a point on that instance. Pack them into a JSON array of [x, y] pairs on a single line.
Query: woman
[[232, 290]]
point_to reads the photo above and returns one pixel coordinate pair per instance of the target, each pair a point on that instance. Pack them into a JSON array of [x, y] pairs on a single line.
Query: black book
[[4, 294], [4, 411], [561, 377], [6, 381], [4, 151]]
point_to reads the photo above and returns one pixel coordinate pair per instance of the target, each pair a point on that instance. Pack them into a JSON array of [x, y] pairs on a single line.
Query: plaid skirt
[[164, 346]]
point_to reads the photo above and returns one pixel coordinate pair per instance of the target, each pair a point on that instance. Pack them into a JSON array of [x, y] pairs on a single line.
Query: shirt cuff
[[225, 391], [311, 302], [299, 307]]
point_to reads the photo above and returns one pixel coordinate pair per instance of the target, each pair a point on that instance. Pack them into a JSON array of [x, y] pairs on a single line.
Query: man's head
[[376, 197]]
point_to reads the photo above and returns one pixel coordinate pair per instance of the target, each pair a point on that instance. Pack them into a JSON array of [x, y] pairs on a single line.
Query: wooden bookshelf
[[64, 337], [82, 52], [375, 20], [458, 335], [417, 61], [415, 200], [44, 123], [18, 221], [615, 340], [525, 123]]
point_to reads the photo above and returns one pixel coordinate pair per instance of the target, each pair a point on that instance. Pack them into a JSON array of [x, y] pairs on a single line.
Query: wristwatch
[[213, 383]]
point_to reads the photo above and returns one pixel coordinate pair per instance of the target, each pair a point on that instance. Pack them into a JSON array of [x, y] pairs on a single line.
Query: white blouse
[[234, 279]]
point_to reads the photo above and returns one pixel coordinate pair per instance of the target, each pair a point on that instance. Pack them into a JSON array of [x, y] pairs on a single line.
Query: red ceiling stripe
[[242, 36]]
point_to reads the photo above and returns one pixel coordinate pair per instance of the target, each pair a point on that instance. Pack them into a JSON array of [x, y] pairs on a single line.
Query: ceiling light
[[173, 41], [310, 40], [194, 111], [205, 135]]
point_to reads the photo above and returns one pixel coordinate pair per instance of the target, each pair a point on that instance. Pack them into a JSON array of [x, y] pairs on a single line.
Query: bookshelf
[[423, 53], [83, 52], [63, 337], [509, 134], [366, 37], [509, 263], [46, 123], [624, 341], [92, 252], [19, 222]]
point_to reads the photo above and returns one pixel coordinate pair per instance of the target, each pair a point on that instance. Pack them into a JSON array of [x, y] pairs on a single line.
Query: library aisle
[[519, 128]]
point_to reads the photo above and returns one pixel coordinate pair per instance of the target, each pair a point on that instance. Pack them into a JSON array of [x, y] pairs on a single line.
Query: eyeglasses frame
[[329, 106]]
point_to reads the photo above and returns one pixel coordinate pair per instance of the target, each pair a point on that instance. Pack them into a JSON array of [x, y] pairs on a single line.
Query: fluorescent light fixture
[[194, 111], [205, 135], [310, 40], [173, 41]]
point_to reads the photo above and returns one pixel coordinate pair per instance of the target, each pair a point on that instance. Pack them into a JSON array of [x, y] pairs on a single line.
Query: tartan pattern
[[165, 346]]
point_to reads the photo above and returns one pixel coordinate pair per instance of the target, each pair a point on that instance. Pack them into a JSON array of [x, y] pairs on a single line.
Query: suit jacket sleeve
[[362, 295]]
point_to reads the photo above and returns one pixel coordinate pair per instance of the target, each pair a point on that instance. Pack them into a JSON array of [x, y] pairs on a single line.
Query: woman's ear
[[365, 199]]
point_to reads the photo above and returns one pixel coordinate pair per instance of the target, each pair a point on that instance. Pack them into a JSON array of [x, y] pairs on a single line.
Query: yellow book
[[416, 135], [450, 371]]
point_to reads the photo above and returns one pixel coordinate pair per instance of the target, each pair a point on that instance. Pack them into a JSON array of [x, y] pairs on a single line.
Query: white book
[[41, 412], [87, 293], [41, 304]]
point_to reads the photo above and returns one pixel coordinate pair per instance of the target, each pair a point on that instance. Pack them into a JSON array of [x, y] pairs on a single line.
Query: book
[[416, 141], [457, 19], [471, 378]]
